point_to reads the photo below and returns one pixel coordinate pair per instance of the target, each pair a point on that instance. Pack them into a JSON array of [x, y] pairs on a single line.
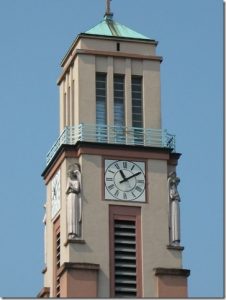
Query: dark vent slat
[[125, 289], [122, 241], [127, 234], [125, 265], [124, 249], [124, 226], [125, 258]]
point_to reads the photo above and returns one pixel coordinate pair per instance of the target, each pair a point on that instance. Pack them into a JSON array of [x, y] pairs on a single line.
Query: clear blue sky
[[34, 36]]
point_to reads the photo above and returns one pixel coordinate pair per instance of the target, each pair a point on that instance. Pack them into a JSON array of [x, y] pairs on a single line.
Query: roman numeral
[[140, 181], [138, 189], [132, 168], [125, 164], [109, 179], [116, 193], [124, 196], [110, 187], [117, 166], [133, 194]]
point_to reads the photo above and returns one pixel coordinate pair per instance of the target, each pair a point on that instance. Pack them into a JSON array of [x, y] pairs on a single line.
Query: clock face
[[125, 180], [55, 194]]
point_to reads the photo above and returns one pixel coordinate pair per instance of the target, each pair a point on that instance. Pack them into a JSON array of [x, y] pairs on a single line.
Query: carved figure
[[174, 209], [45, 235], [74, 202]]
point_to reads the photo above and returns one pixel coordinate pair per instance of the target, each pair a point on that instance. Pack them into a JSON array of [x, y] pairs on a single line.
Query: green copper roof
[[108, 27]]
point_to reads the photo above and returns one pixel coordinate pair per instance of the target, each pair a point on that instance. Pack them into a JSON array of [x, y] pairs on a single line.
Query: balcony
[[113, 135]]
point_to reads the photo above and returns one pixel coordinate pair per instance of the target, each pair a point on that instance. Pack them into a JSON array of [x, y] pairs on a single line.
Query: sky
[[34, 36]]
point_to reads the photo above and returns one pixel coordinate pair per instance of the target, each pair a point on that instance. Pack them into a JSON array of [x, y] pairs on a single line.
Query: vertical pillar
[[171, 283], [71, 104], [62, 106], [79, 280], [67, 89]]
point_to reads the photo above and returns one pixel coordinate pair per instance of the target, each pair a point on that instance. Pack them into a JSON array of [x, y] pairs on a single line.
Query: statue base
[[74, 241]]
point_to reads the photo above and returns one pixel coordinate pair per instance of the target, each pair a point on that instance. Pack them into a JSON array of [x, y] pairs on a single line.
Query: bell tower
[[112, 222]]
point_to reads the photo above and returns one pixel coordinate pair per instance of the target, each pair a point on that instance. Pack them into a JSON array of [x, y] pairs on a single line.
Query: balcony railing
[[113, 135]]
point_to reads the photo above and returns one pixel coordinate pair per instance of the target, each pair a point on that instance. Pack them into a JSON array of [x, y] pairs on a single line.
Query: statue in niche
[[45, 235], [174, 209], [74, 202]]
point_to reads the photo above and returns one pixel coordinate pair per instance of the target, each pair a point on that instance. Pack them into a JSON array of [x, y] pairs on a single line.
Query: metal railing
[[113, 135]]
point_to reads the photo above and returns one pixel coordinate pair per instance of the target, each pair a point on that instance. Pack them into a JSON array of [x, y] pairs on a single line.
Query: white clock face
[[55, 194], [125, 180]]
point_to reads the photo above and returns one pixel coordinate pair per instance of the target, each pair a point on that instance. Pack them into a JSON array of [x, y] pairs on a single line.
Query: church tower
[[112, 223]]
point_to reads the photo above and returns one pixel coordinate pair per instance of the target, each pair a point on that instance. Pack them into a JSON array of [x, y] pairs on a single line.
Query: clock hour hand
[[122, 174], [126, 179]]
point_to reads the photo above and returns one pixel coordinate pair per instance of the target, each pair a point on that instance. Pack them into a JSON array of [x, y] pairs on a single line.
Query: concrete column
[[87, 88], [71, 112], [151, 94], [76, 92], [79, 280], [62, 109], [67, 90], [171, 283]]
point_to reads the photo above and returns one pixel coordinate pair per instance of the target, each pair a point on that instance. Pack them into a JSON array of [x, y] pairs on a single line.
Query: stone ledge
[[77, 266], [171, 272], [44, 293], [74, 241], [172, 247], [44, 270]]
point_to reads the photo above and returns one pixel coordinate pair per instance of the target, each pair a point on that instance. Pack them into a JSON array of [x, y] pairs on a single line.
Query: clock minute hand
[[126, 179]]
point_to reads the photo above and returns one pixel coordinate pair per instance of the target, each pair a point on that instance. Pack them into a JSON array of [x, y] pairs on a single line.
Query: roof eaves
[[110, 37]]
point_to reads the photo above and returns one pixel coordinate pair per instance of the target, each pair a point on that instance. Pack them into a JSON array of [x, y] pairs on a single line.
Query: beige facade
[[94, 247], [89, 256], [91, 55]]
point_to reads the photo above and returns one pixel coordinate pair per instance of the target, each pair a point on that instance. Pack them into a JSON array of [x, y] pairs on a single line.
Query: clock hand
[[123, 175], [126, 179]]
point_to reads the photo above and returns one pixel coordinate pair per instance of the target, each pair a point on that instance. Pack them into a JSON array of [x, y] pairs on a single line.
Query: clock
[[55, 194], [124, 180]]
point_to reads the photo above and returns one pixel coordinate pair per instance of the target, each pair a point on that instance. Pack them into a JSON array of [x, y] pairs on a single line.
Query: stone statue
[[174, 209], [45, 235], [74, 202]]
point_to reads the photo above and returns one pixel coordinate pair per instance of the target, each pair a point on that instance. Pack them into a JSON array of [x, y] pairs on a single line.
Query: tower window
[[119, 94], [137, 99], [65, 109], [101, 106], [137, 109], [118, 46], [68, 105], [101, 87]]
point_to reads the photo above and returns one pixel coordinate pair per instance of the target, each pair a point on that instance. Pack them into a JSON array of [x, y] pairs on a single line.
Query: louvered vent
[[125, 258], [58, 263]]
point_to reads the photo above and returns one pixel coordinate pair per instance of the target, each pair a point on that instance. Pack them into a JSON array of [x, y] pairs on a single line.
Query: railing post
[[164, 135], [113, 134], [67, 135], [81, 132]]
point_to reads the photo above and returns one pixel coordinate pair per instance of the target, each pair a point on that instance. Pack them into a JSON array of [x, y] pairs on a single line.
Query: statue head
[[74, 171], [173, 177], [173, 183]]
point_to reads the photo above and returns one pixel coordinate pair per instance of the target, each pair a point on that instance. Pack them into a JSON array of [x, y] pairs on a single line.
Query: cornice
[[129, 151], [107, 53]]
